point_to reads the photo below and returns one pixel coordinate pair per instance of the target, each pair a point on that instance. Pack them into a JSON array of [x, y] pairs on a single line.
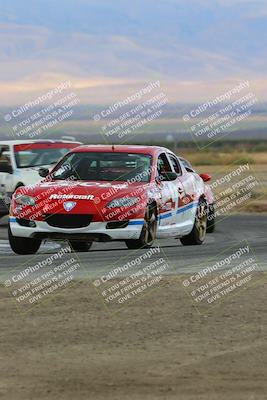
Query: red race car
[[126, 193]]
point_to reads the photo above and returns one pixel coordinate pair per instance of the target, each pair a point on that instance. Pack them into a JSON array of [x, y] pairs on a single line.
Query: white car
[[20, 161]]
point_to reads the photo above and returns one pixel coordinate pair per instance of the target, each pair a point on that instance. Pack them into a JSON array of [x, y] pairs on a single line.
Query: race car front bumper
[[96, 231]]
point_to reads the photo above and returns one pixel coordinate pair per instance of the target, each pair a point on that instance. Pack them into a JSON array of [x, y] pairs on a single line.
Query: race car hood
[[96, 191], [77, 197]]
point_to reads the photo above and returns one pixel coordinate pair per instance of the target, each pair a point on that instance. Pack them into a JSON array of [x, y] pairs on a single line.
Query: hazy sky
[[107, 48]]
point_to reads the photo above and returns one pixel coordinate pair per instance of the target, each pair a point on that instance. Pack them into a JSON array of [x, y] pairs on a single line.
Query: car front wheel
[[23, 246], [149, 231]]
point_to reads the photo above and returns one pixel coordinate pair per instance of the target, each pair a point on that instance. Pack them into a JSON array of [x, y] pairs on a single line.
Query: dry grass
[[258, 202], [217, 158]]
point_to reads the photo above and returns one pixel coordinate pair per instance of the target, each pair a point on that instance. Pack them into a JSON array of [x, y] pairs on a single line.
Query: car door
[[192, 184], [169, 220], [182, 188]]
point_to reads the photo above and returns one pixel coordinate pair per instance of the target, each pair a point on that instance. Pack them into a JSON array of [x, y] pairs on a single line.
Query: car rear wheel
[[149, 231], [23, 246], [198, 233], [82, 247]]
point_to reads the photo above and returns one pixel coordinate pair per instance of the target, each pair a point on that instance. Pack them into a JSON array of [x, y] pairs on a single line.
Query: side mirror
[[168, 176], [7, 168], [43, 172], [205, 177]]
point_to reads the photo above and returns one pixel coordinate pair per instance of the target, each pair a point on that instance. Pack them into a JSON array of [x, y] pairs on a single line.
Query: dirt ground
[[159, 347]]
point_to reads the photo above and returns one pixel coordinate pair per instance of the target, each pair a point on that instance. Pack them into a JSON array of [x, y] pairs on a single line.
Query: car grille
[[70, 221]]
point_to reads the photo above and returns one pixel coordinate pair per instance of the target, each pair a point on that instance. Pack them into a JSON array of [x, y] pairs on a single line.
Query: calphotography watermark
[[127, 117], [42, 277], [46, 202], [235, 187], [132, 277], [42, 114], [217, 117], [225, 275]]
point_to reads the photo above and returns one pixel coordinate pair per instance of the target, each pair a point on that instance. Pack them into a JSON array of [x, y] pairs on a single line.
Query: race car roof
[[152, 150]]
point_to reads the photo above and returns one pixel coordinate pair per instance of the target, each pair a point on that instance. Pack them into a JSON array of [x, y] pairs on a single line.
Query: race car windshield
[[104, 167]]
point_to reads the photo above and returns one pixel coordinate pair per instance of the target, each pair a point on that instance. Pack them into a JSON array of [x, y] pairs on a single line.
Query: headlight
[[123, 202], [24, 200]]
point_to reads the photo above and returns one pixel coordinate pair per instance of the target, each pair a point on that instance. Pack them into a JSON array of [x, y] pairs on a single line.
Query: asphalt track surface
[[231, 232]]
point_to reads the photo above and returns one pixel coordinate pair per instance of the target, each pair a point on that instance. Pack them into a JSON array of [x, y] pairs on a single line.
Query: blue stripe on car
[[187, 207], [180, 210], [133, 222], [163, 216]]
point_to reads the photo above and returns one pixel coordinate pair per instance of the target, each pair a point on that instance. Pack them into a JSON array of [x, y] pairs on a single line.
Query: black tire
[[149, 231], [82, 247], [23, 246], [211, 219], [198, 233]]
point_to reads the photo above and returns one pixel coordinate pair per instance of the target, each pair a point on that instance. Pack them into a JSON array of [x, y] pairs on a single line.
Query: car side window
[[163, 164], [175, 164]]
